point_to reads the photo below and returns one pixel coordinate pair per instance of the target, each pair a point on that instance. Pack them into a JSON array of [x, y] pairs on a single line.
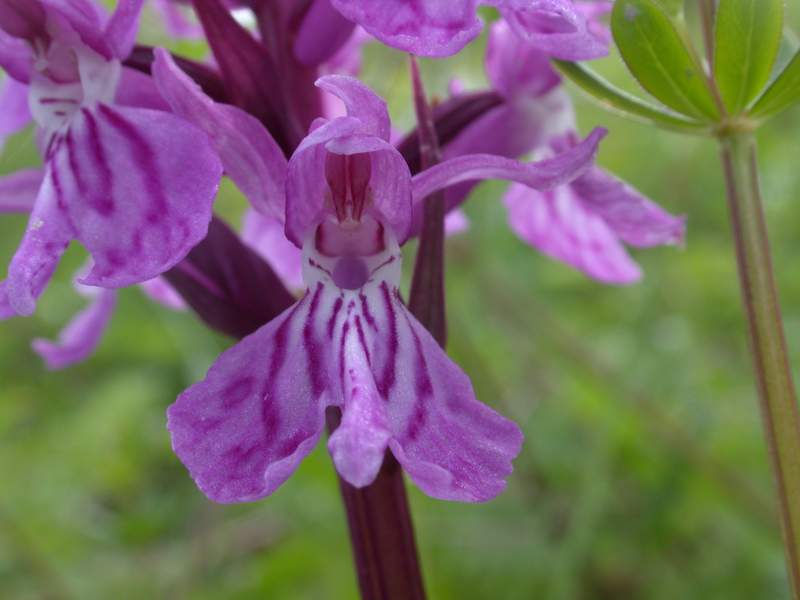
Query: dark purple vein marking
[[311, 345], [102, 201], [387, 379]]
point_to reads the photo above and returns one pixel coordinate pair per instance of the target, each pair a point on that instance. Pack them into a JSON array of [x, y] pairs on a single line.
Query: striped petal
[[137, 185], [47, 236], [243, 430], [559, 225], [80, 337]]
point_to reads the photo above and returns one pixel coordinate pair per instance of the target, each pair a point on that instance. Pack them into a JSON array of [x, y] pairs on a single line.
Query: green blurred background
[[643, 475]]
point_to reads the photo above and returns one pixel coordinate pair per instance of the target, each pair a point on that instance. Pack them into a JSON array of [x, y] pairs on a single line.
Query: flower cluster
[[134, 142]]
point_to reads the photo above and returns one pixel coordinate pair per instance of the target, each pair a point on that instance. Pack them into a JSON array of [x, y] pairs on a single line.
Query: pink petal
[[306, 186], [322, 32], [556, 27], [177, 23], [139, 91], [249, 154], [80, 337], [18, 191], [455, 222], [121, 29], [138, 186], [86, 18], [266, 236], [637, 220], [453, 446], [544, 174], [16, 57], [47, 236], [159, 290], [421, 28], [515, 66], [243, 430], [361, 102], [561, 226], [14, 112]]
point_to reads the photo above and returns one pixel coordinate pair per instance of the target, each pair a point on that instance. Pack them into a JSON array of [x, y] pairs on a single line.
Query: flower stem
[[770, 357], [382, 533]]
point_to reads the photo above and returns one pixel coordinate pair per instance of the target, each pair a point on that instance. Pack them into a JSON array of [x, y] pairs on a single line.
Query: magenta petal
[[563, 227], [139, 91], [176, 22], [322, 32], [540, 175], [16, 57], [80, 337], [6, 311], [306, 186], [138, 186], [514, 66], [18, 191], [243, 430], [86, 18], [249, 154], [361, 102], [556, 27], [421, 28], [637, 220], [159, 290], [266, 236], [47, 236], [14, 112], [121, 29], [453, 446], [359, 443]]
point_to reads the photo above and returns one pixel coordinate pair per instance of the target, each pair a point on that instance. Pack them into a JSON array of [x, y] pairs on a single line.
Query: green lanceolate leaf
[[672, 7], [782, 92], [748, 35], [617, 100], [658, 57]]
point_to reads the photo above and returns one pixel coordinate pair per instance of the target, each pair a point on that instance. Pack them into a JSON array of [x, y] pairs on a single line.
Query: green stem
[[770, 357]]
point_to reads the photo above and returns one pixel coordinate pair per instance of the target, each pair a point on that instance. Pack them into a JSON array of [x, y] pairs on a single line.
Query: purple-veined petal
[[14, 112], [121, 29], [306, 185], [80, 337], [514, 66], [139, 91], [16, 57], [560, 225], [266, 236], [138, 186], [361, 102], [421, 28], [159, 290], [540, 175], [635, 219], [249, 154], [453, 446], [556, 27], [243, 430], [47, 236], [18, 191], [322, 32], [359, 443]]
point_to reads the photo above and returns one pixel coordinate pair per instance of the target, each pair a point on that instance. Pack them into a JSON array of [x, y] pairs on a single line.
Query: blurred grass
[[644, 473]]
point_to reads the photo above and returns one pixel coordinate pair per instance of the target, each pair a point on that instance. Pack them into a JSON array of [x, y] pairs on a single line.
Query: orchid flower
[[132, 183], [559, 28], [349, 342], [584, 223], [80, 336]]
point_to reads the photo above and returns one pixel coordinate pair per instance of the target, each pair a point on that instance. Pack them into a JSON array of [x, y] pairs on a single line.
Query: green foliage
[[748, 35], [671, 7], [782, 93], [615, 99], [660, 59]]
